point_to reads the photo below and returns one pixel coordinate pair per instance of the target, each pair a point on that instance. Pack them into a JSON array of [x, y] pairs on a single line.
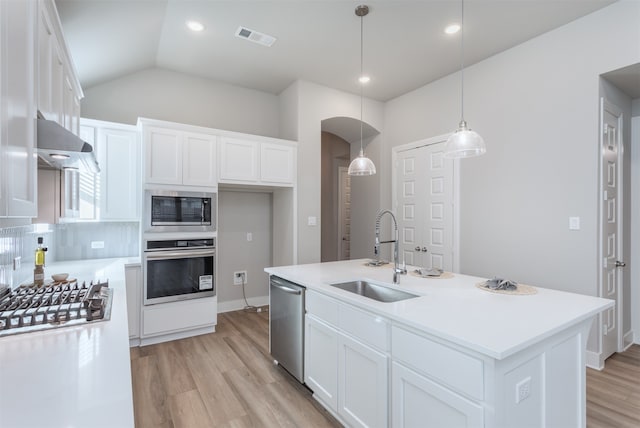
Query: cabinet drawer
[[169, 317], [322, 307], [451, 367], [369, 328]]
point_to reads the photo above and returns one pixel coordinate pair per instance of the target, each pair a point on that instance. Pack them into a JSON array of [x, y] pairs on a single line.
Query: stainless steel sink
[[374, 291]]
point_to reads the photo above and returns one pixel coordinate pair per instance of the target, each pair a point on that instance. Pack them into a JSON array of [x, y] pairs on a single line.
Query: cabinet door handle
[[620, 264]]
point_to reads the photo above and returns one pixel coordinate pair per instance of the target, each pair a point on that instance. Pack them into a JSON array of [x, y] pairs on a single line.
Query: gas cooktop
[[59, 304]]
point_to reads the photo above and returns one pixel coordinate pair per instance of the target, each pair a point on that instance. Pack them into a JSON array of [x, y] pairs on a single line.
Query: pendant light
[[361, 165], [464, 142]]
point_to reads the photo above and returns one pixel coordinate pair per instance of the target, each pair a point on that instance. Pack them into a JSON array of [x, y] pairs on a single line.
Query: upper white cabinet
[[178, 157], [18, 62], [262, 161], [117, 192], [59, 92], [239, 160], [277, 163]]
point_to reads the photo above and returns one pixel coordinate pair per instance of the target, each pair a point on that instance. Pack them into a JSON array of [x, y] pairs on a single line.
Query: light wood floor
[[227, 379], [613, 395], [223, 379]]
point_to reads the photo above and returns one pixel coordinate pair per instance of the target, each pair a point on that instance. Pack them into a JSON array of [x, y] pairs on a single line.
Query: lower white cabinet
[[420, 402], [133, 282], [348, 376], [362, 384], [169, 318], [321, 361]]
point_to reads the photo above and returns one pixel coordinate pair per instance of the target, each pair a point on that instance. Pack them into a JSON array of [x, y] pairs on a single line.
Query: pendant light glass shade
[[464, 142], [361, 165]]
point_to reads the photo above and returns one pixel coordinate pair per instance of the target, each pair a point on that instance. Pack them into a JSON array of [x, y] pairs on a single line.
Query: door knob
[[620, 264], [424, 249], [417, 248]]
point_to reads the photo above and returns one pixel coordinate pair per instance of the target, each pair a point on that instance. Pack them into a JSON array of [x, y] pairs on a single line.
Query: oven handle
[[178, 254]]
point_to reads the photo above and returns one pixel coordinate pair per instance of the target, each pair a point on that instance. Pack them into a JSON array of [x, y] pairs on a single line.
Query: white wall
[[307, 105], [239, 213], [536, 105], [166, 95]]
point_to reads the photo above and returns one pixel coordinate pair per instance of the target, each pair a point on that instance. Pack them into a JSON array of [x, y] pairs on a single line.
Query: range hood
[[59, 148]]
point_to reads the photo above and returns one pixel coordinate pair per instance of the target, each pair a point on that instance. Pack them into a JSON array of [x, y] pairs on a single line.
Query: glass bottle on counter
[[38, 271]]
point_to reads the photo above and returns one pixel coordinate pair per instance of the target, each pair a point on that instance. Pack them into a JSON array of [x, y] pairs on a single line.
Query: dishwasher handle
[[284, 288]]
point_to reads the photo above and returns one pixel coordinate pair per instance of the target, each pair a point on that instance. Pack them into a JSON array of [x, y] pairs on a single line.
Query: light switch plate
[[312, 221], [574, 223]]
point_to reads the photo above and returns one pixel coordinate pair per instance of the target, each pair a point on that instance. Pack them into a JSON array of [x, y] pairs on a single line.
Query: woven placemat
[[443, 275], [521, 290], [375, 263]]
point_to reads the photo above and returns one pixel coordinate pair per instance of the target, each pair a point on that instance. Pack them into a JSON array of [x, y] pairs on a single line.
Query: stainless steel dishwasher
[[286, 325]]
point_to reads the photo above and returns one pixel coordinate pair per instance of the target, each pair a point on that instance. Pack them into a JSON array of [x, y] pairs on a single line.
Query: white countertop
[[74, 376], [496, 325]]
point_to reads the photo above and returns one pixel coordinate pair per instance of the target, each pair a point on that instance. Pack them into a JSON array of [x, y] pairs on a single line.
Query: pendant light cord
[[361, 74], [462, 61]]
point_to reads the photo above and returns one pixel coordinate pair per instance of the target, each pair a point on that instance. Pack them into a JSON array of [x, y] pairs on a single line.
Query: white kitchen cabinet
[[115, 193], [420, 402], [58, 88], [18, 61], [321, 361], [199, 160], [133, 281], [170, 321], [363, 384], [346, 374], [277, 163], [261, 161], [176, 157], [239, 160]]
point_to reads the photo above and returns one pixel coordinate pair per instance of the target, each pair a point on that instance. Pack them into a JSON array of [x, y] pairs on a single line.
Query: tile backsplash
[[69, 241]]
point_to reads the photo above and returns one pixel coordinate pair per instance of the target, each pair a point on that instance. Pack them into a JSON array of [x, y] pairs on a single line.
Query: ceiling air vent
[[255, 36]]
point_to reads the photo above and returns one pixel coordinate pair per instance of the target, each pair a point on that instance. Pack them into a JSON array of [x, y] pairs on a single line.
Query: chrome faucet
[[397, 270]]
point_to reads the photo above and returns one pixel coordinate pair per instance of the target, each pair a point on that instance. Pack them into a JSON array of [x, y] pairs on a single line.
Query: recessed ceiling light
[[195, 26], [59, 156], [452, 29], [364, 79]]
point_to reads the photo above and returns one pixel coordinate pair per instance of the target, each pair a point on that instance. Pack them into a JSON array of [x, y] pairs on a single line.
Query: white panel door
[[277, 163], [363, 384], [611, 148], [424, 202], [163, 156], [238, 160], [411, 205], [199, 160], [420, 402]]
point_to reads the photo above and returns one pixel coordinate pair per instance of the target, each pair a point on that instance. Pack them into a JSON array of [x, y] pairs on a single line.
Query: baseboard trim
[[594, 360], [627, 340], [237, 305]]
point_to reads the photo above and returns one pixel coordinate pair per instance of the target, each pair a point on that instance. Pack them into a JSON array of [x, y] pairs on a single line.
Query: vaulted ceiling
[[405, 46]]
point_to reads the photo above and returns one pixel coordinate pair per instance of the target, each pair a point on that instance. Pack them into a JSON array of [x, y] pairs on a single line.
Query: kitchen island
[[455, 355], [77, 376]]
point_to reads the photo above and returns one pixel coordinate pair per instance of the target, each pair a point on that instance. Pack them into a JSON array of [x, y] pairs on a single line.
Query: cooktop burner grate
[[59, 304]]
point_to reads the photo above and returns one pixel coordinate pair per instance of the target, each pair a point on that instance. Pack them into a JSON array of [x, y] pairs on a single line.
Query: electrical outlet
[[97, 244], [239, 277], [17, 261], [523, 389]]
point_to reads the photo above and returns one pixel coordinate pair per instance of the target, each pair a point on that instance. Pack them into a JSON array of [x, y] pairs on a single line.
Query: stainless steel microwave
[[179, 211]]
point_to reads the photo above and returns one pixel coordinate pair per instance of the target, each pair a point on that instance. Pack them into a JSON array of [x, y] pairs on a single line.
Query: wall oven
[[179, 211], [178, 269]]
